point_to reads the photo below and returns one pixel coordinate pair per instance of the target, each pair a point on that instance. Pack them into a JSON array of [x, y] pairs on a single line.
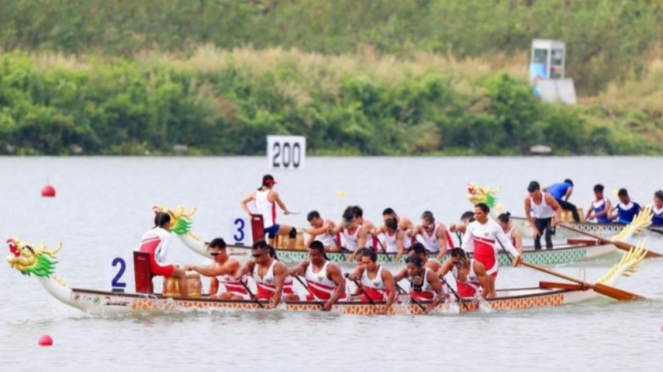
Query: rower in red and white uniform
[[222, 271], [156, 242], [324, 278], [404, 224], [396, 240], [424, 283], [266, 199], [377, 282], [322, 230], [470, 275], [435, 235], [356, 231], [485, 238], [270, 275], [504, 220]]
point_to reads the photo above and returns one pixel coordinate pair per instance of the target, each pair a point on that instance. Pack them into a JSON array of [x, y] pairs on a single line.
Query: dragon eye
[[29, 248]]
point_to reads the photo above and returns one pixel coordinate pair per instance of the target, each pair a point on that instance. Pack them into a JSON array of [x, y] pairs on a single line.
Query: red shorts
[[486, 254], [157, 269]]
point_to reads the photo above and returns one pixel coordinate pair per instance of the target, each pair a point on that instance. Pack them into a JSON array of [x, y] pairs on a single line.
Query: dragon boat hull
[[604, 230]]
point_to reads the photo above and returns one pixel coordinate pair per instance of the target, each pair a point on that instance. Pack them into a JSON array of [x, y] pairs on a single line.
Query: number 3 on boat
[[240, 231], [119, 274]]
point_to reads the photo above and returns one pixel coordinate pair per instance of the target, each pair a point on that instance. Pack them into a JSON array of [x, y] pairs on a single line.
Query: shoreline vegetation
[[117, 78]]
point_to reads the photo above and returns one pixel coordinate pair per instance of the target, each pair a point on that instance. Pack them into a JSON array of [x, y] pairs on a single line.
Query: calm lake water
[[104, 205]]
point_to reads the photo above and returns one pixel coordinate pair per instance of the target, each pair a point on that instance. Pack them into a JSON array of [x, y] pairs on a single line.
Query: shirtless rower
[[484, 237], [404, 223], [470, 274], [321, 230], [424, 283], [435, 234], [222, 270], [543, 213], [266, 199], [396, 240], [269, 274], [156, 242], [377, 281], [324, 278], [504, 220]]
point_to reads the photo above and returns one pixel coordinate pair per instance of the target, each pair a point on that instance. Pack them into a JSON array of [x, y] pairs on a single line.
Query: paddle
[[254, 298], [401, 290], [618, 244], [347, 275], [603, 289], [338, 245], [317, 300], [385, 251], [455, 294]]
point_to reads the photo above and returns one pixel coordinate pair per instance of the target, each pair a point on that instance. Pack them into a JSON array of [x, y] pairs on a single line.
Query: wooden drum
[[171, 286], [281, 242]]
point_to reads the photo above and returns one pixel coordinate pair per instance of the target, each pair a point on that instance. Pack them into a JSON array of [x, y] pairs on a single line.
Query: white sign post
[[286, 152], [119, 273], [240, 231]]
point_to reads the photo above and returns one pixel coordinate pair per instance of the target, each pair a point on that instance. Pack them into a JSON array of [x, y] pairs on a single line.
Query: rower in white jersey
[[404, 224], [396, 240], [322, 230], [324, 279], [470, 275], [485, 238], [377, 282], [222, 271], [504, 220], [266, 199], [355, 231], [270, 275], [543, 213], [435, 235], [424, 283]]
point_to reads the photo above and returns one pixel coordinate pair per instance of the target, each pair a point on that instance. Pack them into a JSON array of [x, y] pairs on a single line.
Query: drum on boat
[[171, 286], [281, 242], [567, 216]]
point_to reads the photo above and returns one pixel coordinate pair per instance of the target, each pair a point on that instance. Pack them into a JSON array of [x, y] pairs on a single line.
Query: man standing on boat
[[396, 240], [600, 208], [321, 230], [268, 273], [435, 235], [543, 213], [377, 282], [156, 242], [266, 199], [626, 209], [562, 192], [222, 270], [470, 275], [324, 279], [485, 239]]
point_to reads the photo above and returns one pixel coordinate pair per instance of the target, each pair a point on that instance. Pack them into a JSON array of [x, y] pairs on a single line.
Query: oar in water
[[603, 289], [401, 290], [317, 300], [460, 301], [620, 245], [347, 275], [255, 299]]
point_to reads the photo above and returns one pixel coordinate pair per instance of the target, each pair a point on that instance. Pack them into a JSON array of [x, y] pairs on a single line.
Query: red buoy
[[48, 191], [45, 340]]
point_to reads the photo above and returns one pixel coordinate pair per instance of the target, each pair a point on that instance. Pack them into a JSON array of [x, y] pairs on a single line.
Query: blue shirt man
[[562, 192]]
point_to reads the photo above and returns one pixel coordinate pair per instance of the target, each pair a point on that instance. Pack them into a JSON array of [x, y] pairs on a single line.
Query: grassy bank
[[226, 102]]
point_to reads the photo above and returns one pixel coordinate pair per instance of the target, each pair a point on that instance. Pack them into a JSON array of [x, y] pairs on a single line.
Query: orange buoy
[[45, 340], [48, 191]]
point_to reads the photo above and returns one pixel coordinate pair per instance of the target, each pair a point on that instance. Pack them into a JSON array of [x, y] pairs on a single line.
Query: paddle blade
[[616, 293]]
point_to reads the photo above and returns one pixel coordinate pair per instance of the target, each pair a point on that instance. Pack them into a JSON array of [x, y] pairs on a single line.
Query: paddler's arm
[[444, 269], [480, 272], [280, 273], [569, 191], [400, 242], [590, 210], [390, 285], [442, 238], [401, 275], [276, 198], [519, 240], [555, 206], [243, 203], [436, 285], [528, 214], [505, 242], [336, 276], [299, 270], [213, 286], [246, 269], [215, 270]]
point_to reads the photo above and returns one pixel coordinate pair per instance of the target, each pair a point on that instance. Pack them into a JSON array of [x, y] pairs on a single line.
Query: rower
[[504, 220], [465, 220], [222, 270], [470, 274], [156, 242], [626, 209], [543, 213], [266, 199], [562, 192], [355, 234], [396, 240], [600, 208], [321, 230], [657, 209], [377, 281], [418, 249], [424, 283], [371, 240], [324, 278], [484, 237], [435, 235], [269, 274], [404, 224]]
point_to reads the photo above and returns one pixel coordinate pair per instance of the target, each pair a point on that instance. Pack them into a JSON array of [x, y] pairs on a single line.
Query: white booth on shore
[[546, 70]]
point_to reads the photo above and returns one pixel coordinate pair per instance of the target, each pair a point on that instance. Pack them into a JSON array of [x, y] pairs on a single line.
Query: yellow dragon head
[[487, 195], [180, 221], [28, 260]]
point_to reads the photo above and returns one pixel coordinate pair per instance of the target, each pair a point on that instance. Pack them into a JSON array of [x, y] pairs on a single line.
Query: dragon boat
[[573, 250], [488, 195], [41, 263]]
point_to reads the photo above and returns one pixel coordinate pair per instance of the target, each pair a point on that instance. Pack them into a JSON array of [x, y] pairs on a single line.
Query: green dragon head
[[180, 221], [40, 262]]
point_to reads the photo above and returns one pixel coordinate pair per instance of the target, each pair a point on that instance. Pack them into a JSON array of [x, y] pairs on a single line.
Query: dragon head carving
[[180, 220], [28, 260]]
